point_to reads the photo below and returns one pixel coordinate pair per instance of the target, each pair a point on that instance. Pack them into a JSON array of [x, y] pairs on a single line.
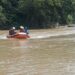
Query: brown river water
[[44, 56]]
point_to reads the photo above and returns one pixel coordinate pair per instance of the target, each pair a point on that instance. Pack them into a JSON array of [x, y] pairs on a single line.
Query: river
[[52, 55]]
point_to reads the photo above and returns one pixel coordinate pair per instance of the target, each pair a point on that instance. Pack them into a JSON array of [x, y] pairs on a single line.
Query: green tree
[[3, 18], [35, 13]]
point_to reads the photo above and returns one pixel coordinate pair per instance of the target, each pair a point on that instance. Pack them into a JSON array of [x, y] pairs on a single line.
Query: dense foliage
[[36, 13]]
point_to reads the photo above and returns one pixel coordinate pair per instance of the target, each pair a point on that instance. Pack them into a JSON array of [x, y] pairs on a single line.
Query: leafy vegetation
[[36, 13]]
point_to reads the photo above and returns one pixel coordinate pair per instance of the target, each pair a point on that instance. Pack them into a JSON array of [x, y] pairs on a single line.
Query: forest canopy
[[36, 13]]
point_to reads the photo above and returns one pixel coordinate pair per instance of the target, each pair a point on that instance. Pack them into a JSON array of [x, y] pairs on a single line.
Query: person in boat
[[12, 31], [22, 29], [26, 30]]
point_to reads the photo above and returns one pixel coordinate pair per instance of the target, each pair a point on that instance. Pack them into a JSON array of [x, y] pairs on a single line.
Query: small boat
[[20, 35]]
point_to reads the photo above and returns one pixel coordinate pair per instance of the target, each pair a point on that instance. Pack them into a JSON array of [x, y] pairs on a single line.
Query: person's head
[[13, 28], [21, 27]]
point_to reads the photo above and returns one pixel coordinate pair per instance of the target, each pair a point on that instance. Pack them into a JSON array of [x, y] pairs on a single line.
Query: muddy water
[[50, 56]]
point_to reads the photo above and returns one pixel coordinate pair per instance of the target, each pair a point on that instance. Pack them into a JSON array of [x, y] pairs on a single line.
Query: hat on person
[[13, 27], [21, 27]]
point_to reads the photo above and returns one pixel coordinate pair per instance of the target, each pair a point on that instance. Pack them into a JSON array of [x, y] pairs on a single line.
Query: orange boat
[[20, 35]]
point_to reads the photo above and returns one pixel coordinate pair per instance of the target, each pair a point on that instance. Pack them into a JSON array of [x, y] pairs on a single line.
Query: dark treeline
[[36, 13]]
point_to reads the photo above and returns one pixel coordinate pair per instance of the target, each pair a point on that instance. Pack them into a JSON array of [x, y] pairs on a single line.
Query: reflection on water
[[19, 43], [52, 56]]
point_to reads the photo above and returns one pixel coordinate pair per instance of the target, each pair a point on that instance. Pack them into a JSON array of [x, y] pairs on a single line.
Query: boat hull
[[19, 36]]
